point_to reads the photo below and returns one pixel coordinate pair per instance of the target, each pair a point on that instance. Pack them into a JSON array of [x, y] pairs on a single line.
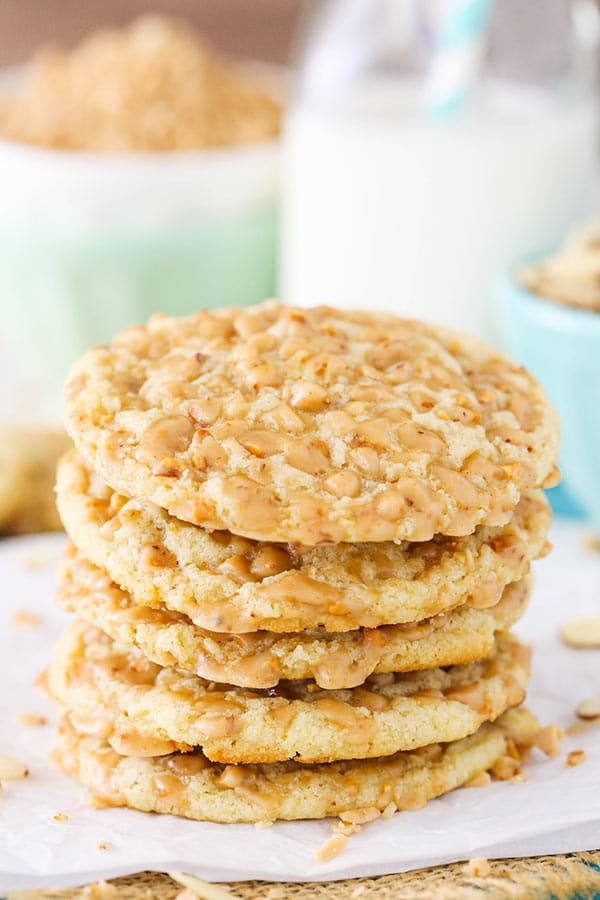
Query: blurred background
[[433, 158], [259, 29]]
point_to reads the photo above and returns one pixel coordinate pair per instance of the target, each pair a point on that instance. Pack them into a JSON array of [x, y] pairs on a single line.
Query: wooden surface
[[260, 29], [571, 877]]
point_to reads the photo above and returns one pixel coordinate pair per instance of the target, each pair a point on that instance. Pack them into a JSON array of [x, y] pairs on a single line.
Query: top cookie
[[313, 425]]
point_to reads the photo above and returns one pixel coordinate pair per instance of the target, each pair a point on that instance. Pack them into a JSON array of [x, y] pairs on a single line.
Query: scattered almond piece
[[25, 618], [201, 888], [332, 847], [581, 632], [479, 780], [548, 740], [12, 769], [576, 757], [389, 811], [478, 867], [32, 720], [103, 846], [590, 708], [60, 817]]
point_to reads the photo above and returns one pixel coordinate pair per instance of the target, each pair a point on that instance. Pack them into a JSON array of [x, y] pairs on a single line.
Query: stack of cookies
[[299, 541]]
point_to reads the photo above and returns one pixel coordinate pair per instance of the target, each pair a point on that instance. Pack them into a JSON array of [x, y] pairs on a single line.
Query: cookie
[[115, 693], [261, 660], [191, 786], [313, 425], [225, 583], [28, 458]]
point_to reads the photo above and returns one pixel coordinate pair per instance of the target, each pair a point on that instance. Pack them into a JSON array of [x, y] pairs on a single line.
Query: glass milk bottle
[[430, 145]]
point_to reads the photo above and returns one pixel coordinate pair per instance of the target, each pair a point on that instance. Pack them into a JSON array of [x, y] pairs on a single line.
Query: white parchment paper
[[557, 810]]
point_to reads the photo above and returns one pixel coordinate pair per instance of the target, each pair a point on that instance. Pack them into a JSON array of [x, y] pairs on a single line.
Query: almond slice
[[581, 632], [331, 848], [590, 708], [11, 769]]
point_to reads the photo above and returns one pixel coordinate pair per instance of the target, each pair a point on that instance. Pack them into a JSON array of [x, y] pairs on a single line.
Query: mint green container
[[91, 243]]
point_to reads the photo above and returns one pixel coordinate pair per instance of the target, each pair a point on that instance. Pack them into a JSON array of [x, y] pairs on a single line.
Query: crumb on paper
[[103, 846], [60, 817], [32, 720], [37, 562], [505, 768], [576, 757], [94, 801], [520, 777], [199, 888], [581, 633], [331, 848], [548, 740], [25, 618], [264, 823], [480, 780], [590, 708], [575, 729], [478, 867], [12, 769]]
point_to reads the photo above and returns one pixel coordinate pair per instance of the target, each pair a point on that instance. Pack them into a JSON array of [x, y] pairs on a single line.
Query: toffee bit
[[576, 757], [25, 618], [32, 720]]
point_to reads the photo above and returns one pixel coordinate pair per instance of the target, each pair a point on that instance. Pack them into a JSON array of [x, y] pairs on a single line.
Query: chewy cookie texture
[[226, 583], [300, 538], [312, 426], [261, 659], [145, 710]]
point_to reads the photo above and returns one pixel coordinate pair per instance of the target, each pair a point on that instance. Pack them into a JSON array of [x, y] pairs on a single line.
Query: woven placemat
[[575, 876]]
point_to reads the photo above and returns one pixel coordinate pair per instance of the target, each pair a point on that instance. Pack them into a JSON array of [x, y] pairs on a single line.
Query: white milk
[[383, 211]]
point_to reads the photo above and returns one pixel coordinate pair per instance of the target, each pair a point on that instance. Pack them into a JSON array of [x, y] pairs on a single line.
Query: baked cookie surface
[[313, 425], [262, 659], [141, 709], [191, 786], [225, 583]]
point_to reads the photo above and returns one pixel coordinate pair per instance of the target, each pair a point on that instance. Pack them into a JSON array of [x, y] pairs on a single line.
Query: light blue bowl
[[560, 345]]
